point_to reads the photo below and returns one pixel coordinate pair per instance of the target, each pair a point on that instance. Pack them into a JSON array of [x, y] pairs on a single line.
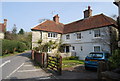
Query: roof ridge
[[107, 19], [84, 19]]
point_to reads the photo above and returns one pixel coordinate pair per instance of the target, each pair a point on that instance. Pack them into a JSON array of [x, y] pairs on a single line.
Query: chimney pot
[[56, 18]]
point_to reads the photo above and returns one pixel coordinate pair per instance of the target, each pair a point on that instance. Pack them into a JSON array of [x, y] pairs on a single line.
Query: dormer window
[[97, 33], [68, 37], [78, 35]]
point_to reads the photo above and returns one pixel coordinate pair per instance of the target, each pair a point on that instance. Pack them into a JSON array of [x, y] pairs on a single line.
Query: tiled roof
[[50, 26], [2, 27], [89, 23], [80, 25]]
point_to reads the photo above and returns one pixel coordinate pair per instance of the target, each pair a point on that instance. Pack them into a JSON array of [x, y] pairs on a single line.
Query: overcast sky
[[27, 14]]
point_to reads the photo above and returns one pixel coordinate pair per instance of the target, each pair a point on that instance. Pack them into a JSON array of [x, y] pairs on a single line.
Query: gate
[[55, 64]]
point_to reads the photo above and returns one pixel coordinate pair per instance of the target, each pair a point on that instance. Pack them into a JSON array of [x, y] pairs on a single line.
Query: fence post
[[46, 60], [60, 66], [43, 59], [33, 52], [101, 68]]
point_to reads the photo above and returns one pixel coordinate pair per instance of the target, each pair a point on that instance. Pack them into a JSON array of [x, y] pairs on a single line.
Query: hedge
[[10, 46]]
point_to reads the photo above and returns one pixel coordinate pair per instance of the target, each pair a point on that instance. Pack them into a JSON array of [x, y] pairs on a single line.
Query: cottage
[[92, 33], [3, 28]]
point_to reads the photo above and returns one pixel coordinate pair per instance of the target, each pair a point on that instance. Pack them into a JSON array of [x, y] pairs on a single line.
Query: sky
[[26, 15]]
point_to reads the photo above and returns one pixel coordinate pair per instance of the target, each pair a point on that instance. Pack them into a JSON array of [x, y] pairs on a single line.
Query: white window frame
[[96, 46], [52, 34], [97, 32], [77, 36]]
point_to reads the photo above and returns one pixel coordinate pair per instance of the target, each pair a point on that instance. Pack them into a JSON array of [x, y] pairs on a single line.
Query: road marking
[[29, 70], [5, 63], [27, 65], [45, 78], [14, 70]]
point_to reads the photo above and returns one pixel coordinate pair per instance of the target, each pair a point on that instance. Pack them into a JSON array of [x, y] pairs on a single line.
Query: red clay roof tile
[[80, 25]]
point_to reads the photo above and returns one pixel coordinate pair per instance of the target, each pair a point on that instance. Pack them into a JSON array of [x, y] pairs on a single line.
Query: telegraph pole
[[117, 3]]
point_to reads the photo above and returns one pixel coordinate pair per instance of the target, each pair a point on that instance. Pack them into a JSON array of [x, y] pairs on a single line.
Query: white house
[[3, 28], [93, 33]]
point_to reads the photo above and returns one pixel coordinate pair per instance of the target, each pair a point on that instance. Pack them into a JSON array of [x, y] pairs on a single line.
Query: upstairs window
[[67, 37], [96, 48], [97, 33], [52, 35], [78, 35], [73, 48]]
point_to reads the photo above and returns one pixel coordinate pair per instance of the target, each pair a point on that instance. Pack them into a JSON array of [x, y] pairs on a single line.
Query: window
[[73, 48], [52, 35], [81, 48], [78, 35], [49, 34], [67, 36], [97, 33], [49, 50], [96, 48]]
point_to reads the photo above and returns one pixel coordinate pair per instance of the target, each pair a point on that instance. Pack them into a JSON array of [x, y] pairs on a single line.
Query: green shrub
[[10, 46], [115, 59], [28, 44], [21, 47]]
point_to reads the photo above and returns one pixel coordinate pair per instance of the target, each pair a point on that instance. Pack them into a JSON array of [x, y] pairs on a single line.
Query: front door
[[67, 49]]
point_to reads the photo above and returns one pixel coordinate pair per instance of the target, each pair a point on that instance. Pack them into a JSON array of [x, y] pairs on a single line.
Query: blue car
[[91, 61]]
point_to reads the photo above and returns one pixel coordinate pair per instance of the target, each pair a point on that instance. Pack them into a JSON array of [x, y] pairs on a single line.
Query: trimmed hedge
[[10, 46]]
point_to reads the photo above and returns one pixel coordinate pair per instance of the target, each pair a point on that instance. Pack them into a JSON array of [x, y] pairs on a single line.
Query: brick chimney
[[87, 13], [56, 18], [5, 22]]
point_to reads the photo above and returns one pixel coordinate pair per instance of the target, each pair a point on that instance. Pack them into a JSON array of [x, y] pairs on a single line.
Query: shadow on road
[[27, 54], [78, 72]]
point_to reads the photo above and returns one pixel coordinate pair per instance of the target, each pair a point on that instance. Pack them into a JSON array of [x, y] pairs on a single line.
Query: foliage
[[43, 47], [21, 31], [115, 59], [10, 36], [25, 38], [10, 46]]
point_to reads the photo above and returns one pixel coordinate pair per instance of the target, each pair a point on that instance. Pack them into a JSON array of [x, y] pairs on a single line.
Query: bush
[[115, 59], [28, 44], [21, 47], [10, 46]]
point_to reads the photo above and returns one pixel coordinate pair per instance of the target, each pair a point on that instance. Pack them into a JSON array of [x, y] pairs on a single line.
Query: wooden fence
[[54, 63], [38, 57], [46, 61]]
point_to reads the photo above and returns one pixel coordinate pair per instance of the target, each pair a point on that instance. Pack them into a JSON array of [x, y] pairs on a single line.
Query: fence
[[55, 64], [38, 57], [47, 61]]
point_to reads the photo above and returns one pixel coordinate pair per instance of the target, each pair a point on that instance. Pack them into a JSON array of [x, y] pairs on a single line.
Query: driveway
[[78, 72]]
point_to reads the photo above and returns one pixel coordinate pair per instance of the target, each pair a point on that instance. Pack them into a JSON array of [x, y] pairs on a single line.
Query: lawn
[[71, 63]]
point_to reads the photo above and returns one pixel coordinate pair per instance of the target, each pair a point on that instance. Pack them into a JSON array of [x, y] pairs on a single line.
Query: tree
[[14, 30], [21, 31]]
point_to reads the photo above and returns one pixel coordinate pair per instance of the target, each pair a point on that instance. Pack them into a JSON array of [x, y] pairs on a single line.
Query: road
[[21, 67]]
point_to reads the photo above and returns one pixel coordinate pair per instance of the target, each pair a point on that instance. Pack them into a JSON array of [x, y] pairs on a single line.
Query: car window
[[96, 55]]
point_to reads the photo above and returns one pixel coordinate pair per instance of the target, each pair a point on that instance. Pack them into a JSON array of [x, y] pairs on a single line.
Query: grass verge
[[71, 63]]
